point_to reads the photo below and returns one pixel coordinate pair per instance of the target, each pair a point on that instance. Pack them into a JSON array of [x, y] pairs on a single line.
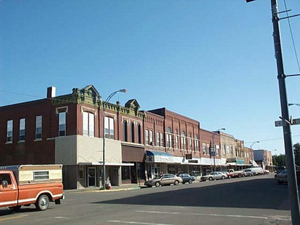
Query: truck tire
[[42, 203], [190, 181]]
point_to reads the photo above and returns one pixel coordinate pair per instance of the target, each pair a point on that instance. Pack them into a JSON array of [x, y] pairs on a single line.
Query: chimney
[[51, 91]]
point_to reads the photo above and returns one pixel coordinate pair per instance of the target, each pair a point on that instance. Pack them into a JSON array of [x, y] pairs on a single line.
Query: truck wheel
[[190, 181], [157, 184], [42, 203], [176, 182]]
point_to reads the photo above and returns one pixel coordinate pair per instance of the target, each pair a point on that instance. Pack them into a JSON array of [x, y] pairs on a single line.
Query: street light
[[104, 108], [213, 146], [253, 143], [290, 104]]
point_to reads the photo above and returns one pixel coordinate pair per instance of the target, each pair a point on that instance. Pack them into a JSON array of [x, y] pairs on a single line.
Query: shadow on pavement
[[256, 193]]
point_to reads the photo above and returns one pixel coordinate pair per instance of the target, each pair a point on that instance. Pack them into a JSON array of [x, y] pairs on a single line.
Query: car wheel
[[176, 182], [223, 178], [157, 184], [42, 203], [190, 181], [229, 177], [210, 178]]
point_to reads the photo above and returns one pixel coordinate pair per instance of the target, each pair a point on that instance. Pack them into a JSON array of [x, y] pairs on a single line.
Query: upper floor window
[[9, 131], [196, 143], [217, 149], [109, 128], [183, 140], [204, 148], [191, 142], [169, 137], [146, 137], [151, 137], [88, 124], [224, 149], [157, 139], [38, 127], [139, 139], [22, 130], [125, 136], [161, 139], [132, 132], [176, 139], [62, 124]]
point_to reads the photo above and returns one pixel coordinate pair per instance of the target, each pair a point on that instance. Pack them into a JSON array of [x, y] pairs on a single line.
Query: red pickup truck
[[30, 184]]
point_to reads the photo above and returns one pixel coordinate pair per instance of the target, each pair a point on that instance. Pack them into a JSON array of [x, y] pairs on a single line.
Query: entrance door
[[91, 176]]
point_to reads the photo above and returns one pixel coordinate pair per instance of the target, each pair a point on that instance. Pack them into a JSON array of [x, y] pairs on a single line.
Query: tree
[[297, 154], [279, 160]]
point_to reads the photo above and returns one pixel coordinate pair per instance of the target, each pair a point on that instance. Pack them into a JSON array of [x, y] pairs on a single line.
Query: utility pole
[[290, 160]]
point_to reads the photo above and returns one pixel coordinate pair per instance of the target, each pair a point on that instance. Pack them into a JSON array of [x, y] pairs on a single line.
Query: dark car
[[186, 178], [282, 177]]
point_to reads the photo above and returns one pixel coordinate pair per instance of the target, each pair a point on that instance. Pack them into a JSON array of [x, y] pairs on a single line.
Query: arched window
[[132, 132], [196, 143], [183, 140], [125, 136], [169, 137]]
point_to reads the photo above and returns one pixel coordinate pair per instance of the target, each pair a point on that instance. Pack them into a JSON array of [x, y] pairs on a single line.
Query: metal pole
[[290, 160], [104, 108], [214, 151], [103, 177]]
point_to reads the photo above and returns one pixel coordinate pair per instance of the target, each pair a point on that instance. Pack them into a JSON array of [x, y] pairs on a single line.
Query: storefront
[[133, 154], [161, 162]]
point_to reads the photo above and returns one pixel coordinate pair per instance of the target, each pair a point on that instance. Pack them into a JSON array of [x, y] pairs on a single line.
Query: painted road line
[[12, 218], [276, 218], [133, 222]]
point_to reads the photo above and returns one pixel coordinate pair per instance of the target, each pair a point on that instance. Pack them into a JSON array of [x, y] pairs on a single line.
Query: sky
[[210, 60]]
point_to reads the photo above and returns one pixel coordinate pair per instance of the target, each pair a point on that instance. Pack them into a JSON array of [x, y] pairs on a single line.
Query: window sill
[[40, 139], [22, 141], [8, 142]]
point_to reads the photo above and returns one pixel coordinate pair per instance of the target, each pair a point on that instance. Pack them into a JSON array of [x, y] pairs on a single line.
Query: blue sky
[[210, 60]]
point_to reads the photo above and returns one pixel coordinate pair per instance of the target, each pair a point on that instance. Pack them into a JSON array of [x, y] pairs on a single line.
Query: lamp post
[[213, 146], [253, 143], [104, 108]]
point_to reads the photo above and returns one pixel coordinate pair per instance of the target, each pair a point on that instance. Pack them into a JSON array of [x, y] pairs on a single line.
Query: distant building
[[263, 158]]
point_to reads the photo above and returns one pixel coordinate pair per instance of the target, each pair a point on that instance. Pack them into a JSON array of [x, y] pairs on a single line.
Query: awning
[[161, 157]]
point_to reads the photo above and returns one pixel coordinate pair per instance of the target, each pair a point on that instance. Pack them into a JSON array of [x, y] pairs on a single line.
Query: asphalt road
[[255, 200]]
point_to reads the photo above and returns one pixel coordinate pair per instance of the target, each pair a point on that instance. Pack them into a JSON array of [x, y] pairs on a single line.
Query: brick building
[[69, 130]]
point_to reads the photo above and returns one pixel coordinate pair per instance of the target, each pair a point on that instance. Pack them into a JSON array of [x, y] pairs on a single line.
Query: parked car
[[213, 176], [282, 177], [234, 173], [257, 170], [248, 173], [186, 178], [164, 179]]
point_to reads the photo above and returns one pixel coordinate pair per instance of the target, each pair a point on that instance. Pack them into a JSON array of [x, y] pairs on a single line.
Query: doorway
[[91, 177]]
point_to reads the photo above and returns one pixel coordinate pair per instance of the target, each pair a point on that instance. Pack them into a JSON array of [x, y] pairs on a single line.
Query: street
[[251, 200]]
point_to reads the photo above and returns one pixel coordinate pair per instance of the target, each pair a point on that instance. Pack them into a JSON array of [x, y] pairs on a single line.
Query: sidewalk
[[123, 187]]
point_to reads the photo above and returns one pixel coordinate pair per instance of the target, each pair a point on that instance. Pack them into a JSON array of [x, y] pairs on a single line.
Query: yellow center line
[[12, 218]]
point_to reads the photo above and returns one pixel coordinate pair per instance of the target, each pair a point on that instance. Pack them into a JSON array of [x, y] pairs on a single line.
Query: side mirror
[[4, 184]]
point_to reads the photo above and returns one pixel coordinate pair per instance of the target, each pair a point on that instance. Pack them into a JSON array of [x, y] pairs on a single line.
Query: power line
[[292, 36]]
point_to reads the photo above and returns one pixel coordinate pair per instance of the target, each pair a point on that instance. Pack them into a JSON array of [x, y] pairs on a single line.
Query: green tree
[[297, 154], [279, 160]]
